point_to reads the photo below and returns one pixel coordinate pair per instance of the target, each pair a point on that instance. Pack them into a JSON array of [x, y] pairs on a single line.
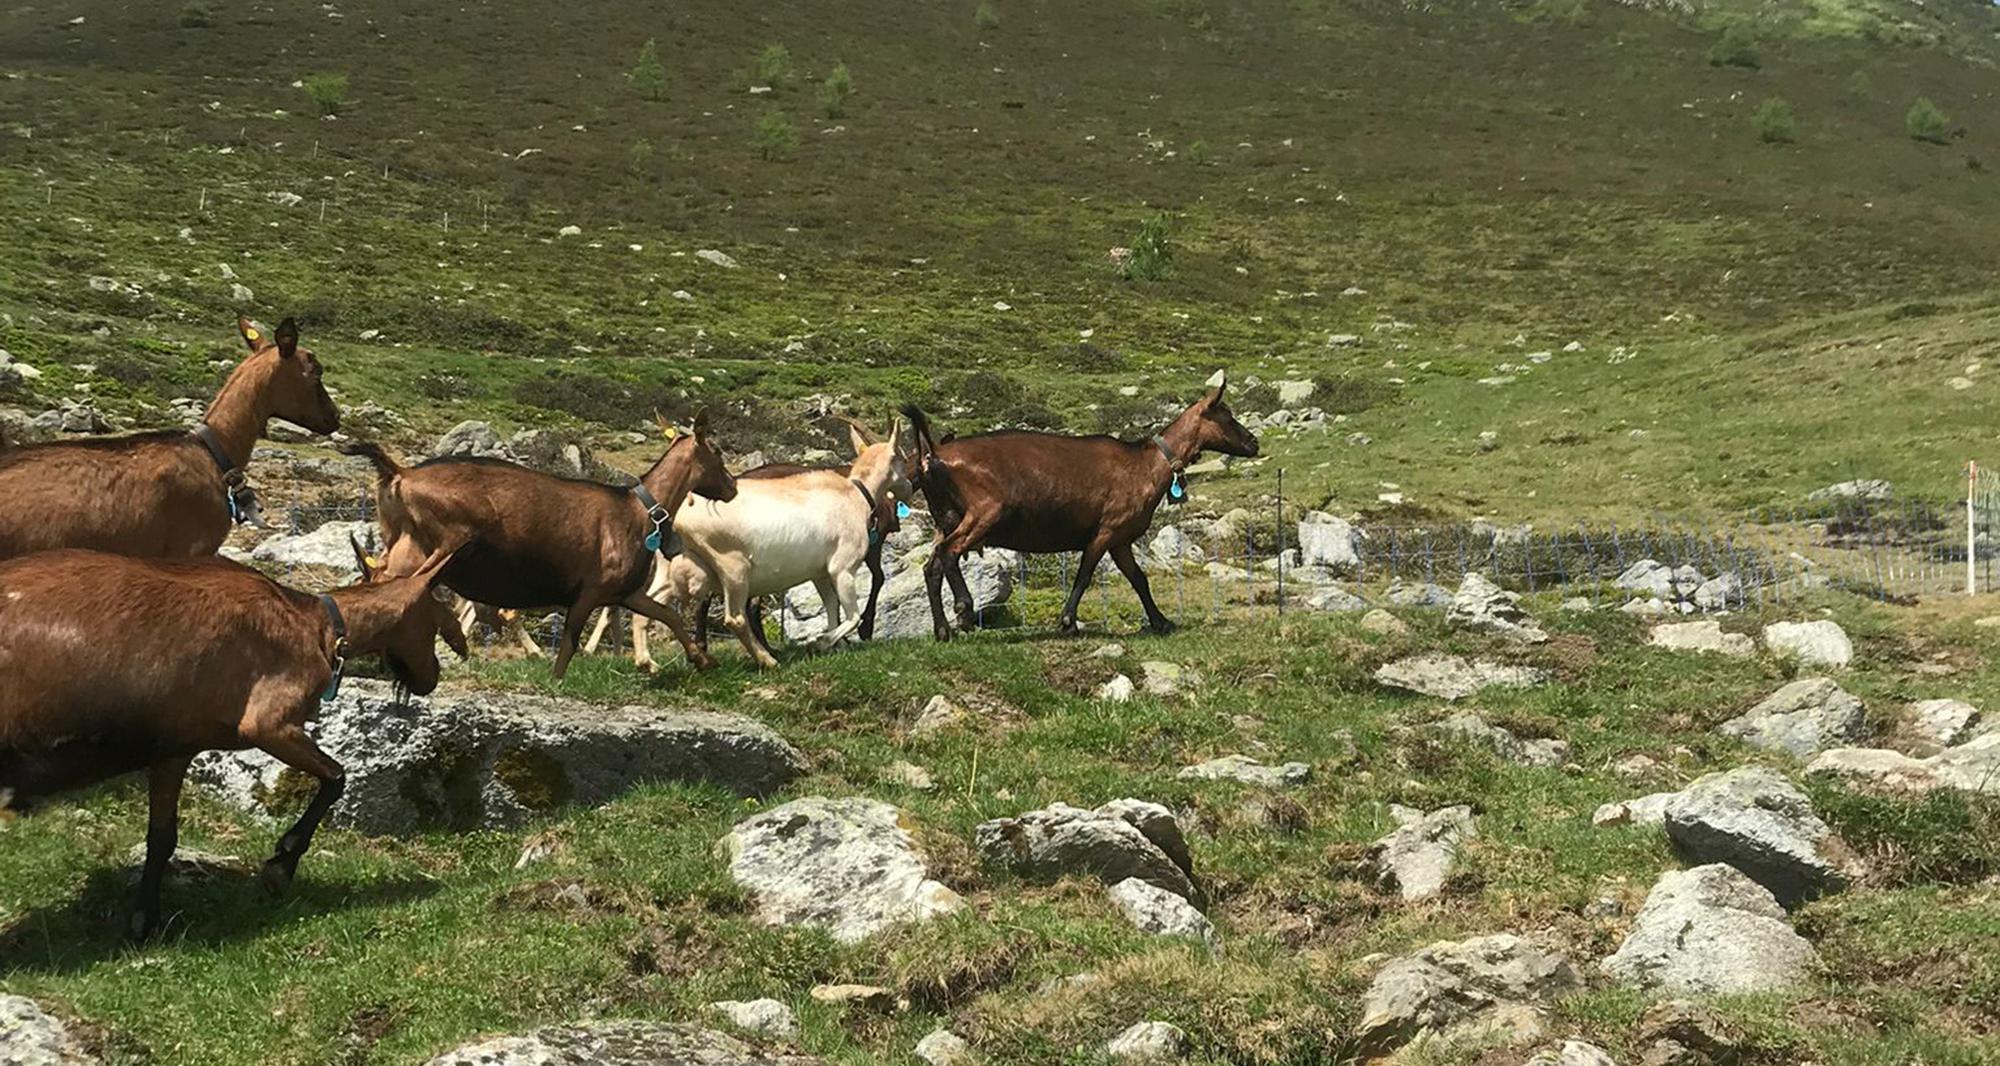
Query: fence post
[[1281, 541], [1971, 530]]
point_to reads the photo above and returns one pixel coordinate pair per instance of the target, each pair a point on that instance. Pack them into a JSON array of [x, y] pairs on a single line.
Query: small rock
[[1112, 650], [908, 775], [1155, 910], [1474, 729], [710, 255], [1646, 810], [1817, 643], [1418, 856], [942, 1047], [765, 1017], [1165, 679], [1325, 540], [938, 715], [617, 1043], [866, 997], [1868, 489], [1679, 1032], [30, 1036], [1573, 1053], [1487, 988], [1334, 600], [1942, 722], [1450, 677], [570, 231], [1382, 623], [1117, 690], [1489, 441], [1248, 771], [1148, 1042], [1119, 840], [1701, 637], [845, 865], [1481, 605], [1711, 931]]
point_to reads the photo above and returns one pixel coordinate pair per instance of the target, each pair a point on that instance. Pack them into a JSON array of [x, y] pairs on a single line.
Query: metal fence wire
[[1867, 542]]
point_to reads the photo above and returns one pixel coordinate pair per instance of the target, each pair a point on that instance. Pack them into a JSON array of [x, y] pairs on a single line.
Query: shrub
[[1860, 84], [197, 16], [1151, 256], [834, 91], [774, 136], [985, 17], [328, 92], [648, 76], [1773, 120], [773, 65], [1737, 48], [1926, 123], [640, 158], [1198, 153]]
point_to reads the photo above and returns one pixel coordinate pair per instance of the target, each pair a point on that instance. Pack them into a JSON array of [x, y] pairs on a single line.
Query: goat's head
[[294, 389], [1216, 428], [874, 457], [709, 477], [416, 617]]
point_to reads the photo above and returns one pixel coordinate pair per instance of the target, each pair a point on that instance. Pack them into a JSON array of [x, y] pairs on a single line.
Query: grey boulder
[[844, 865], [1152, 909], [325, 547], [1472, 729], [497, 760], [1817, 643], [1148, 1042], [1970, 767], [1757, 821], [1802, 718], [1248, 771], [1488, 988], [1119, 840], [1704, 636], [903, 609], [30, 1036], [1482, 606], [1573, 1053], [1711, 931], [1325, 540], [1418, 856]]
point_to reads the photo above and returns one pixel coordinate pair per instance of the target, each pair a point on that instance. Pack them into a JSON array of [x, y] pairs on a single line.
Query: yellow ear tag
[[251, 334], [374, 563], [672, 432]]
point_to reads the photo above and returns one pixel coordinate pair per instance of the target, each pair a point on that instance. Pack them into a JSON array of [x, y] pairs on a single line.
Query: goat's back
[[96, 647], [150, 494], [1051, 492], [789, 529]]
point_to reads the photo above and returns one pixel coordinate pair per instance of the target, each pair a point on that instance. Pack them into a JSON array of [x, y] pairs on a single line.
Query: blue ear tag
[[902, 510], [1175, 490], [235, 512], [333, 683], [653, 540]]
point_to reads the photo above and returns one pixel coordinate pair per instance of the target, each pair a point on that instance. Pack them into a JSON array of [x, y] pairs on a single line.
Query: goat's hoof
[[942, 633], [276, 876], [703, 661], [648, 666], [142, 925], [1162, 627]]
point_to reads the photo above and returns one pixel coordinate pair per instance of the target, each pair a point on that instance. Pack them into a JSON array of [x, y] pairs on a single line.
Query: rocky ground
[[1449, 826]]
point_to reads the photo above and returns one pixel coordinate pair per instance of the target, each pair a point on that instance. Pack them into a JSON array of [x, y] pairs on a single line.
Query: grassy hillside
[[1562, 172]]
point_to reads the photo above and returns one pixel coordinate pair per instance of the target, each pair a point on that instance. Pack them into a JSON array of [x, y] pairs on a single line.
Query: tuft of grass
[[196, 16], [1774, 122], [640, 157], [834, 91], [1151, 257], [1925, 121], [327, 91], [774, 136], [985, 17], [772, 66], [648, 75], [1736, 48]]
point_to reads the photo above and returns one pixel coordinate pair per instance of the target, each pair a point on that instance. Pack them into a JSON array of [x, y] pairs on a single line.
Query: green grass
[[393, 949]]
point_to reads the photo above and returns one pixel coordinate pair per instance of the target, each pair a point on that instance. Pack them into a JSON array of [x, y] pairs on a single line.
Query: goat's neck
[[672, 477], [1183, 440], [239, 412], [873, 476], [370, 612]]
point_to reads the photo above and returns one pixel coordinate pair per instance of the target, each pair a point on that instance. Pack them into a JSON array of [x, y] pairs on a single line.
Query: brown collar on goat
[[656, 513], [235, 481], [1174, 462], [874, 510]]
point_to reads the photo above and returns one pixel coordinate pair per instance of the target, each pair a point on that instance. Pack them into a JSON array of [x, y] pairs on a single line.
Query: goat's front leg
[[597, 632], [660, 612], [572, 633], [163, 823], [1127, 565], [285, 739]]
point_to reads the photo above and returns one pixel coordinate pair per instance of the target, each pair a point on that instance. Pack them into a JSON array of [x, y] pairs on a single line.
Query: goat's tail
[[386, 467], [920, 427]]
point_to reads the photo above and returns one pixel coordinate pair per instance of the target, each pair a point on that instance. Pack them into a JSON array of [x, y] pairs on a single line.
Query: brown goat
[[1042, 492], [110, 664], [168, 494], [534, 540]]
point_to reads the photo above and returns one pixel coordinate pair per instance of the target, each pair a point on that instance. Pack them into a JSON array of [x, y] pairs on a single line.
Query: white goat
[[813, 526]]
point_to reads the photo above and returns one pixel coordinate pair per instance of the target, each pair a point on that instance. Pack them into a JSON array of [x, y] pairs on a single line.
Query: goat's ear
[[361, 560], [434, 568], [252, 336], [1216, 385], [288, 337], [667, 429], [701, 425], [857, 439], [895, 438]]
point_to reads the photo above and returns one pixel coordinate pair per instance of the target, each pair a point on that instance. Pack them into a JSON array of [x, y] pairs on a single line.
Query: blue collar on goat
[[339, 646]]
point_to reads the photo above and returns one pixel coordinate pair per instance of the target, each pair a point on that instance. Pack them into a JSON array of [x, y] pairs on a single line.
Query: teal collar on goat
[[657, 513], [339, 645]]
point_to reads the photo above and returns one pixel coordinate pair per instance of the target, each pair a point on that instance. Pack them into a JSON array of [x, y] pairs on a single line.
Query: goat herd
[[126, 643]]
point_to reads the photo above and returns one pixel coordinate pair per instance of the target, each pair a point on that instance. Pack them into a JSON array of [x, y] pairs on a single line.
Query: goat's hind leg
[[1127, 565], [163, 822], [640, 604]]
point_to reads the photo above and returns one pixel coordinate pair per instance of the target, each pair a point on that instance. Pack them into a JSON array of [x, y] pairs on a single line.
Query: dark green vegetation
[[391, 949], [1556, 172]]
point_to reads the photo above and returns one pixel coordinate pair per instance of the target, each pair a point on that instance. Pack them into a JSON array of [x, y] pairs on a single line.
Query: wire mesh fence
[[1864, 540]]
